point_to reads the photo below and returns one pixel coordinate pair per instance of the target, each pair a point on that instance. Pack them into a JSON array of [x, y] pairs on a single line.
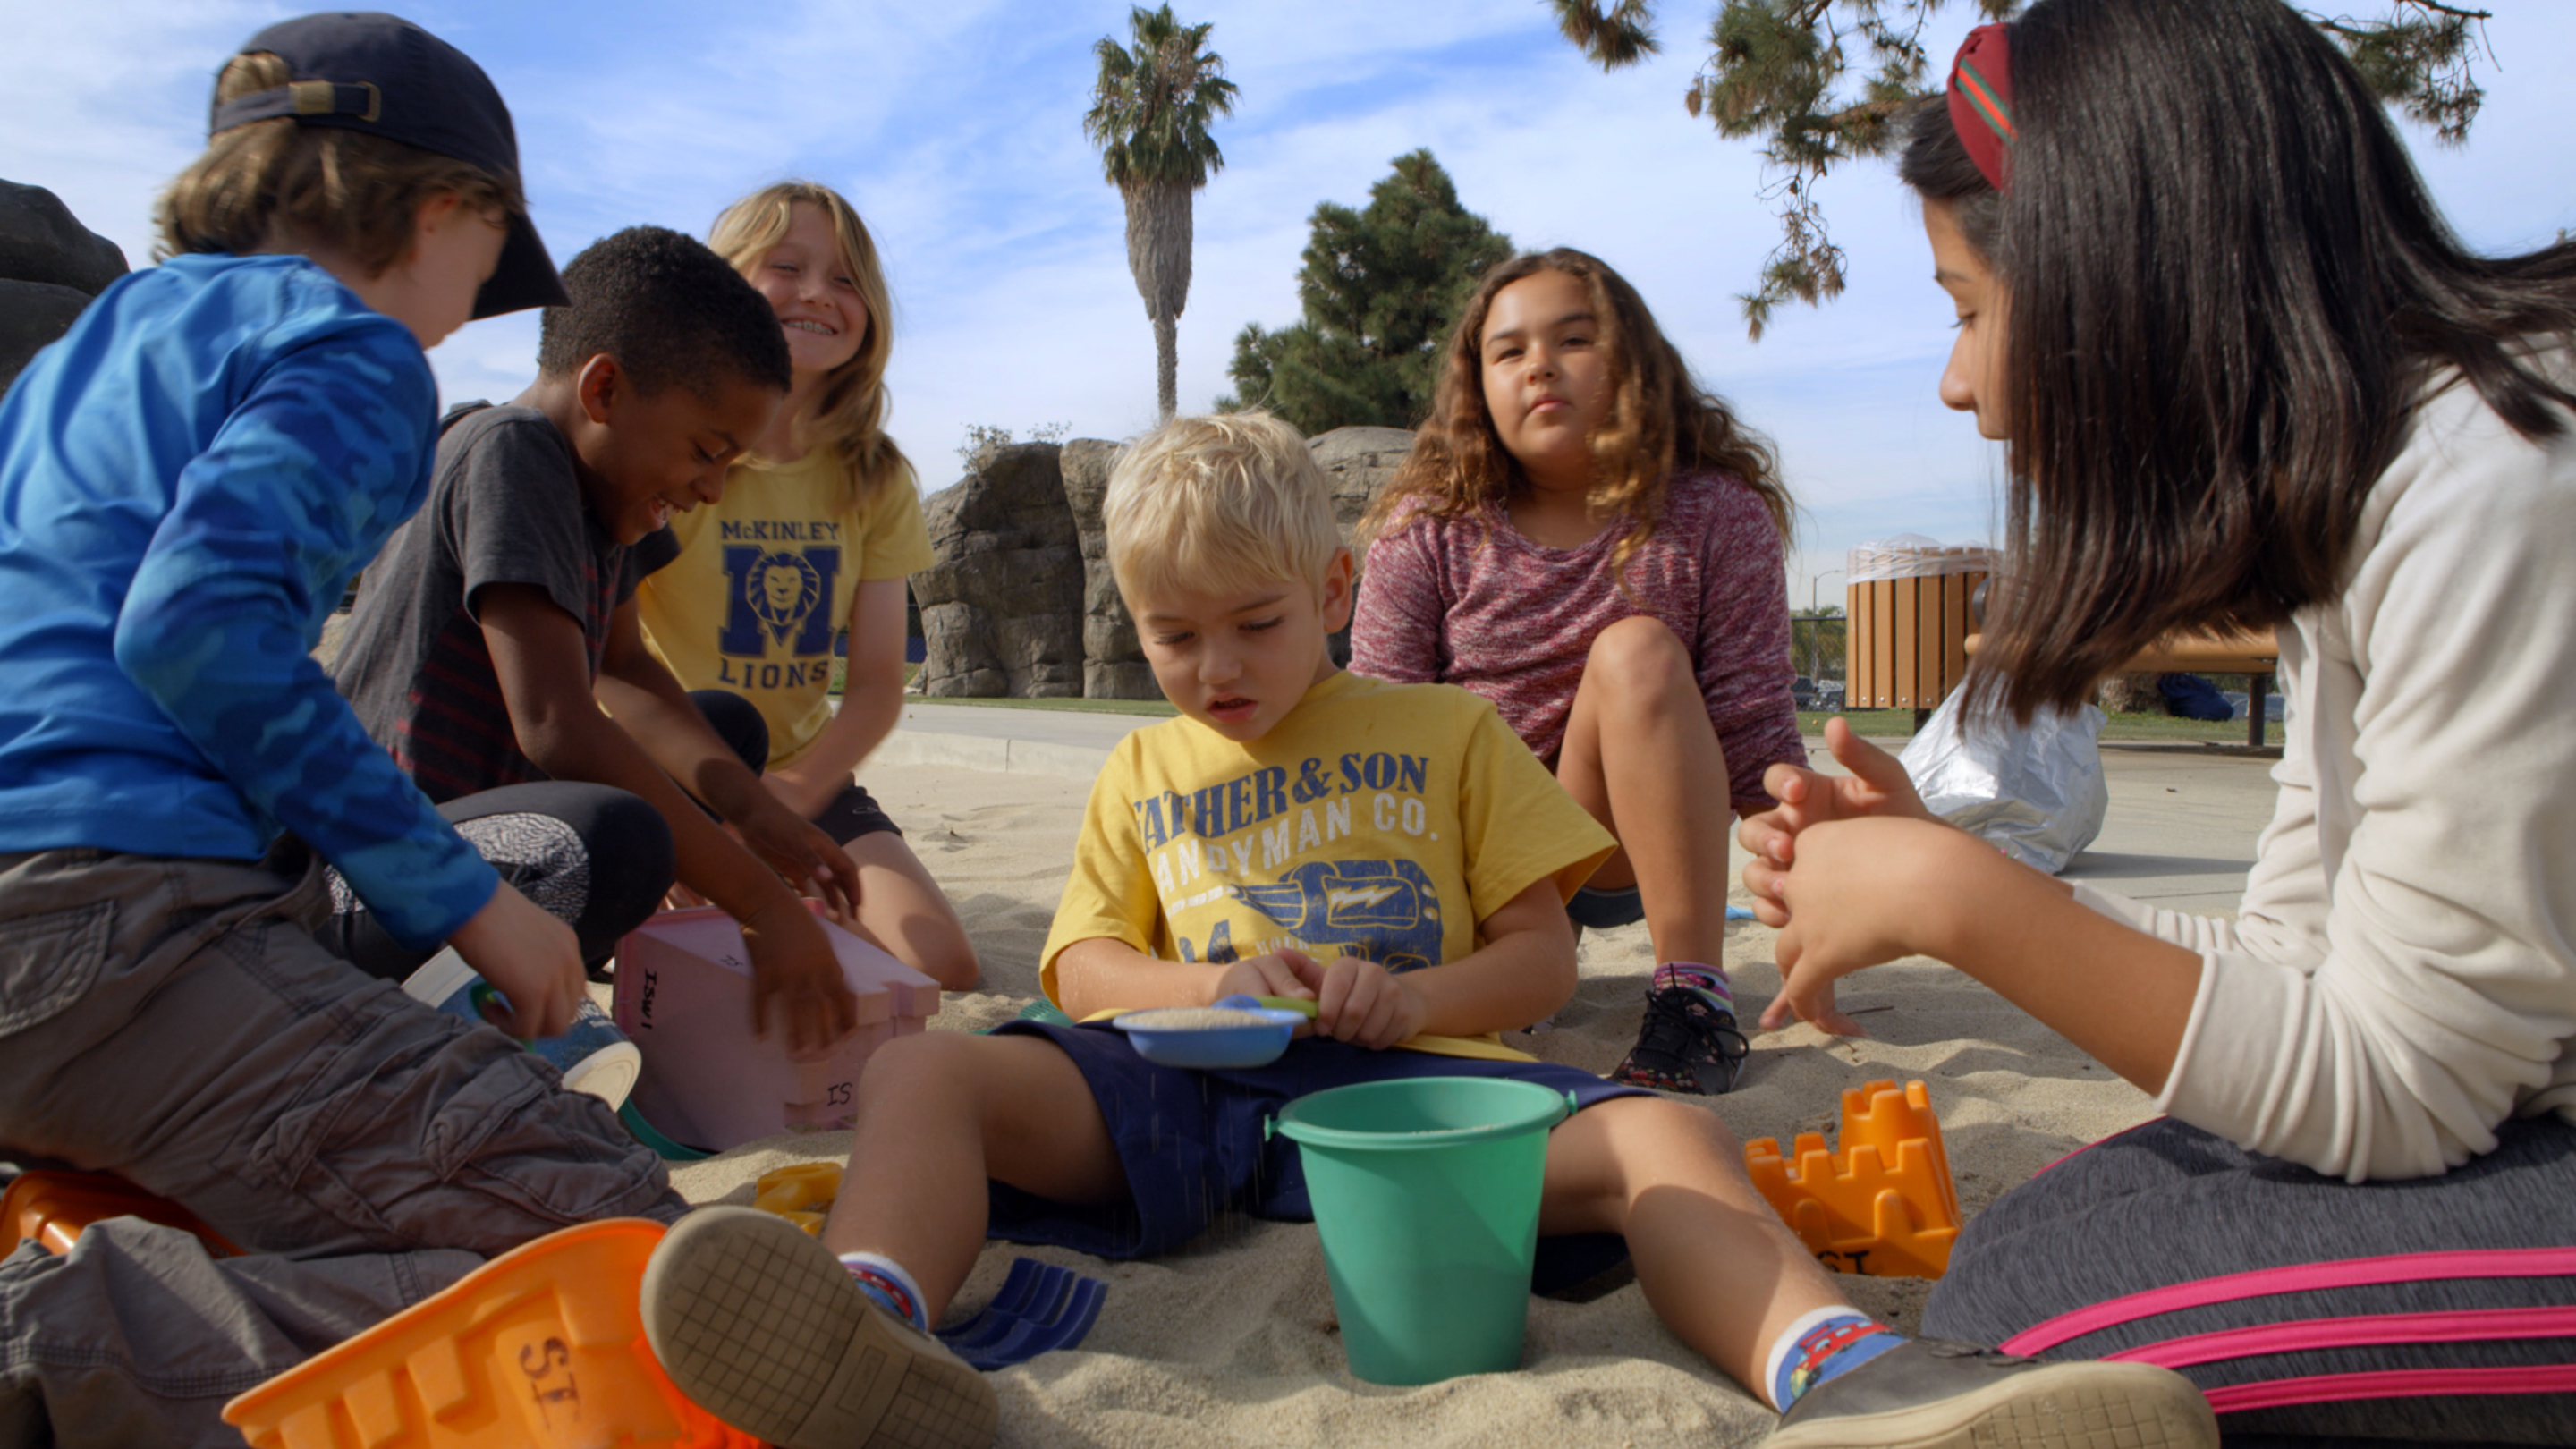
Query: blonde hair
[[1661, 422], [848, 416], [276, 184], [1214, 501]]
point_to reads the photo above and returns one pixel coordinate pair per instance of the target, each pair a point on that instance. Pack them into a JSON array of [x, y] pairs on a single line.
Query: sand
[[1231, 1341]]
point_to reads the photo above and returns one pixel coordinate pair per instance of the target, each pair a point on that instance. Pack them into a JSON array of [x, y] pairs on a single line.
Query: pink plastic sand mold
[[684, 999]]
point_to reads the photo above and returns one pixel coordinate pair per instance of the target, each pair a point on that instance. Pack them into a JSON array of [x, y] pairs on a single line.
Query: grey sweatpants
[[175, 1022], [2438, 1310]]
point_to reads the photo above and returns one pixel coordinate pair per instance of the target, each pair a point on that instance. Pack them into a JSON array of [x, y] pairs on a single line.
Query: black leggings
[[594, 857], [2295, 1300], [736, 720]]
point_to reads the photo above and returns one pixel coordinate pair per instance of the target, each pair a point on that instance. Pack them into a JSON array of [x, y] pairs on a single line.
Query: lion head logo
[[784, 588]]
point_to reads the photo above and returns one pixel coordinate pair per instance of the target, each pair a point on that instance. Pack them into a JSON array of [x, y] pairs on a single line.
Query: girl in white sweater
[[2248, 378]]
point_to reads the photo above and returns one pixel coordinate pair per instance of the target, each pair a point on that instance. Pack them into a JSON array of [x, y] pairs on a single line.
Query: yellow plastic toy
[[803, 1188], [1884, 1205], [541, 1348]]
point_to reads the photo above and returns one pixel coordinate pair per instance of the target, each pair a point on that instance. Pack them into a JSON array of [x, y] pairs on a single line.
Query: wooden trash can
[[1906, 643]]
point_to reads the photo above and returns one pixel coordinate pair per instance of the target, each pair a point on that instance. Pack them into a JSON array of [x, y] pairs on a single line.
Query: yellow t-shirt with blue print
[[1376, 820], [764, 579]]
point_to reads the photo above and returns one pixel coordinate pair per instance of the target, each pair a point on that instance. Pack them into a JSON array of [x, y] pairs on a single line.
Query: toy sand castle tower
[[1885, 1204]]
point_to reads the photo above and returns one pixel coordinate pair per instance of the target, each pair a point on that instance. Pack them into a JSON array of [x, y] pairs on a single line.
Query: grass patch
[[1158, 707], [1898, 724]]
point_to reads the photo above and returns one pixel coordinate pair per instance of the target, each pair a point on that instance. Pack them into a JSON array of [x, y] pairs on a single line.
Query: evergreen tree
[[1379, 289], [1776, 70]]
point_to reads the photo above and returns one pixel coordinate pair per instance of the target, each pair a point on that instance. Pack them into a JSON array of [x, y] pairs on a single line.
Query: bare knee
[[1656, 1139], [941, 1063], [1638, 658]]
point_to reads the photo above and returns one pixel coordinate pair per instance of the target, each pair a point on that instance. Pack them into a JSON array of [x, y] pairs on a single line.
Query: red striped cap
[[1981, 101]]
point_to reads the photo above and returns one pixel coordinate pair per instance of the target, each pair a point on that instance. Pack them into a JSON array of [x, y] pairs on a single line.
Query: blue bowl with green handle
[[1232, 1033]]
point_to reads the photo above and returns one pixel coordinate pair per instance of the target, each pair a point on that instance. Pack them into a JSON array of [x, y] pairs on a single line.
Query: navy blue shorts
[[1192, 1143]]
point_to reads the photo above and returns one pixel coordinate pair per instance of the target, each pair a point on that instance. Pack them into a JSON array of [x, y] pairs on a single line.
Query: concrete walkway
[[2180, 831]]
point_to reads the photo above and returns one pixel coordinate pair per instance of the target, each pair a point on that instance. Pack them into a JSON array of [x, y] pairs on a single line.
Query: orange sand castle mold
[[1885, 1205], [53, 1207], [543, 1347]]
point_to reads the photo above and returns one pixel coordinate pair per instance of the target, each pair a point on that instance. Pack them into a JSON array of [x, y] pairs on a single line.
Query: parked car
[[1829, 695], [2271, 706], [1803, 690]]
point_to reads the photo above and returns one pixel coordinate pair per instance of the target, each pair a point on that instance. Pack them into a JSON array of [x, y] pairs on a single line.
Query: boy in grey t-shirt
[[501, 620]]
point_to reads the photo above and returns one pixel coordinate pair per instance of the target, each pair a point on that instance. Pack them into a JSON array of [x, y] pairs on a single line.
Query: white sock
[[1830, 1353], [884, 1279]]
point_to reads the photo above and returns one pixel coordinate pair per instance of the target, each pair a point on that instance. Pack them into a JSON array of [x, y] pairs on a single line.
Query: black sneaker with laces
[[1929, 1394], [1688, 1043]]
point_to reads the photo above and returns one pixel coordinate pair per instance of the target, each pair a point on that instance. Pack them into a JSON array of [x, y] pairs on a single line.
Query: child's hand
[[799, 849], [1281, 973], [1862, 891], [793, 968], [1367, 1005], [1877, 787], [533, 958]]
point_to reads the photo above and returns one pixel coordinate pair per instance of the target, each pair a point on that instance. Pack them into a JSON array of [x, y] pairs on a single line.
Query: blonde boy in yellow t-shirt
[[1391, 852]]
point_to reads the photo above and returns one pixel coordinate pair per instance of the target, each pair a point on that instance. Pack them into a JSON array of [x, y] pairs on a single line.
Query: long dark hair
[[2227, 292], [1661, 421]]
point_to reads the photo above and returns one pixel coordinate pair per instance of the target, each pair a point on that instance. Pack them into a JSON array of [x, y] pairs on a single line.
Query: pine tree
[[1776, 71], [1379, 289]]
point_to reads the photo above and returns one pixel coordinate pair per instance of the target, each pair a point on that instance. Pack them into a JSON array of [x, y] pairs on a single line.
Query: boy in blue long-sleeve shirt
[[188, 481]]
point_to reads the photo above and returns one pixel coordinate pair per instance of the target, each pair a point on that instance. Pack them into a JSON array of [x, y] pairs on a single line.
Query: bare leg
[[1718, 1266], [1641, 755], [903, 908], [938, 1112]]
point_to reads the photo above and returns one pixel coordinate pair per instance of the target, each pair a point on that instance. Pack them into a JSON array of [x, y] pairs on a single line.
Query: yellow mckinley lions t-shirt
[[763, 582], [1377, 820]]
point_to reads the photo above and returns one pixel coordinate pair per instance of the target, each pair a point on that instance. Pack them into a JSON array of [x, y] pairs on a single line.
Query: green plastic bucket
[[1426, 1193]]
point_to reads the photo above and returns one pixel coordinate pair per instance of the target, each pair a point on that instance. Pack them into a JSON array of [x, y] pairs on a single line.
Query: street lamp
[[1812, 581]]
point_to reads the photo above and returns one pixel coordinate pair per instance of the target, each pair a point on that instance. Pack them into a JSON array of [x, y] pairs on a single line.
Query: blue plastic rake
[[1040, 1309]]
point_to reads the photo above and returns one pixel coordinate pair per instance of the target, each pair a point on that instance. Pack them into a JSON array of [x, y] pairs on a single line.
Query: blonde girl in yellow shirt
[[817, 530]]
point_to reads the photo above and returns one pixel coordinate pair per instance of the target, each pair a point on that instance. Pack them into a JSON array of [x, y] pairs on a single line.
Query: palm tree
[[1149, 116]]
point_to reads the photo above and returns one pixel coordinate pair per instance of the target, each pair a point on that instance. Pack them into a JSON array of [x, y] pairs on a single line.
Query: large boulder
[[1113, 664], [50, 266], [1019, 600], [1001, 603], [1356, 462]]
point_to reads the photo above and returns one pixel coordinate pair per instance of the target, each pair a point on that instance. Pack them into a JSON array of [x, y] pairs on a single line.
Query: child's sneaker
[[593, 1055], [1689, 1041], [1928, 1394], [763, 1327]]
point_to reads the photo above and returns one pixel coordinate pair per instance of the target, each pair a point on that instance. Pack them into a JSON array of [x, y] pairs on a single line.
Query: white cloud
[[956, 127]]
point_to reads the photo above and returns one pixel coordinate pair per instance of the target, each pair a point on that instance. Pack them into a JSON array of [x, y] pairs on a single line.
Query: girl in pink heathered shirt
[[1589, 540]]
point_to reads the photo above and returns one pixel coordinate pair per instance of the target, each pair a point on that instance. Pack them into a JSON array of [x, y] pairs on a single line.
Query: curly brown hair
[[1661, 422]]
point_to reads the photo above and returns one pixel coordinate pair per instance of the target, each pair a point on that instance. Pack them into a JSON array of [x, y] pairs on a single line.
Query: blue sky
[[956, 129]]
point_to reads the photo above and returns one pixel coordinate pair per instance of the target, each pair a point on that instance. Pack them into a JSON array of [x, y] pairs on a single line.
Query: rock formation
[[1113, 665], [1020, 600], [50, 266], [1001, 603]]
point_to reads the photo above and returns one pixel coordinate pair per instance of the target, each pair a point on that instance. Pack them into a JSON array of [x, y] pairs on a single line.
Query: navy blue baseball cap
[[381, 74]]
